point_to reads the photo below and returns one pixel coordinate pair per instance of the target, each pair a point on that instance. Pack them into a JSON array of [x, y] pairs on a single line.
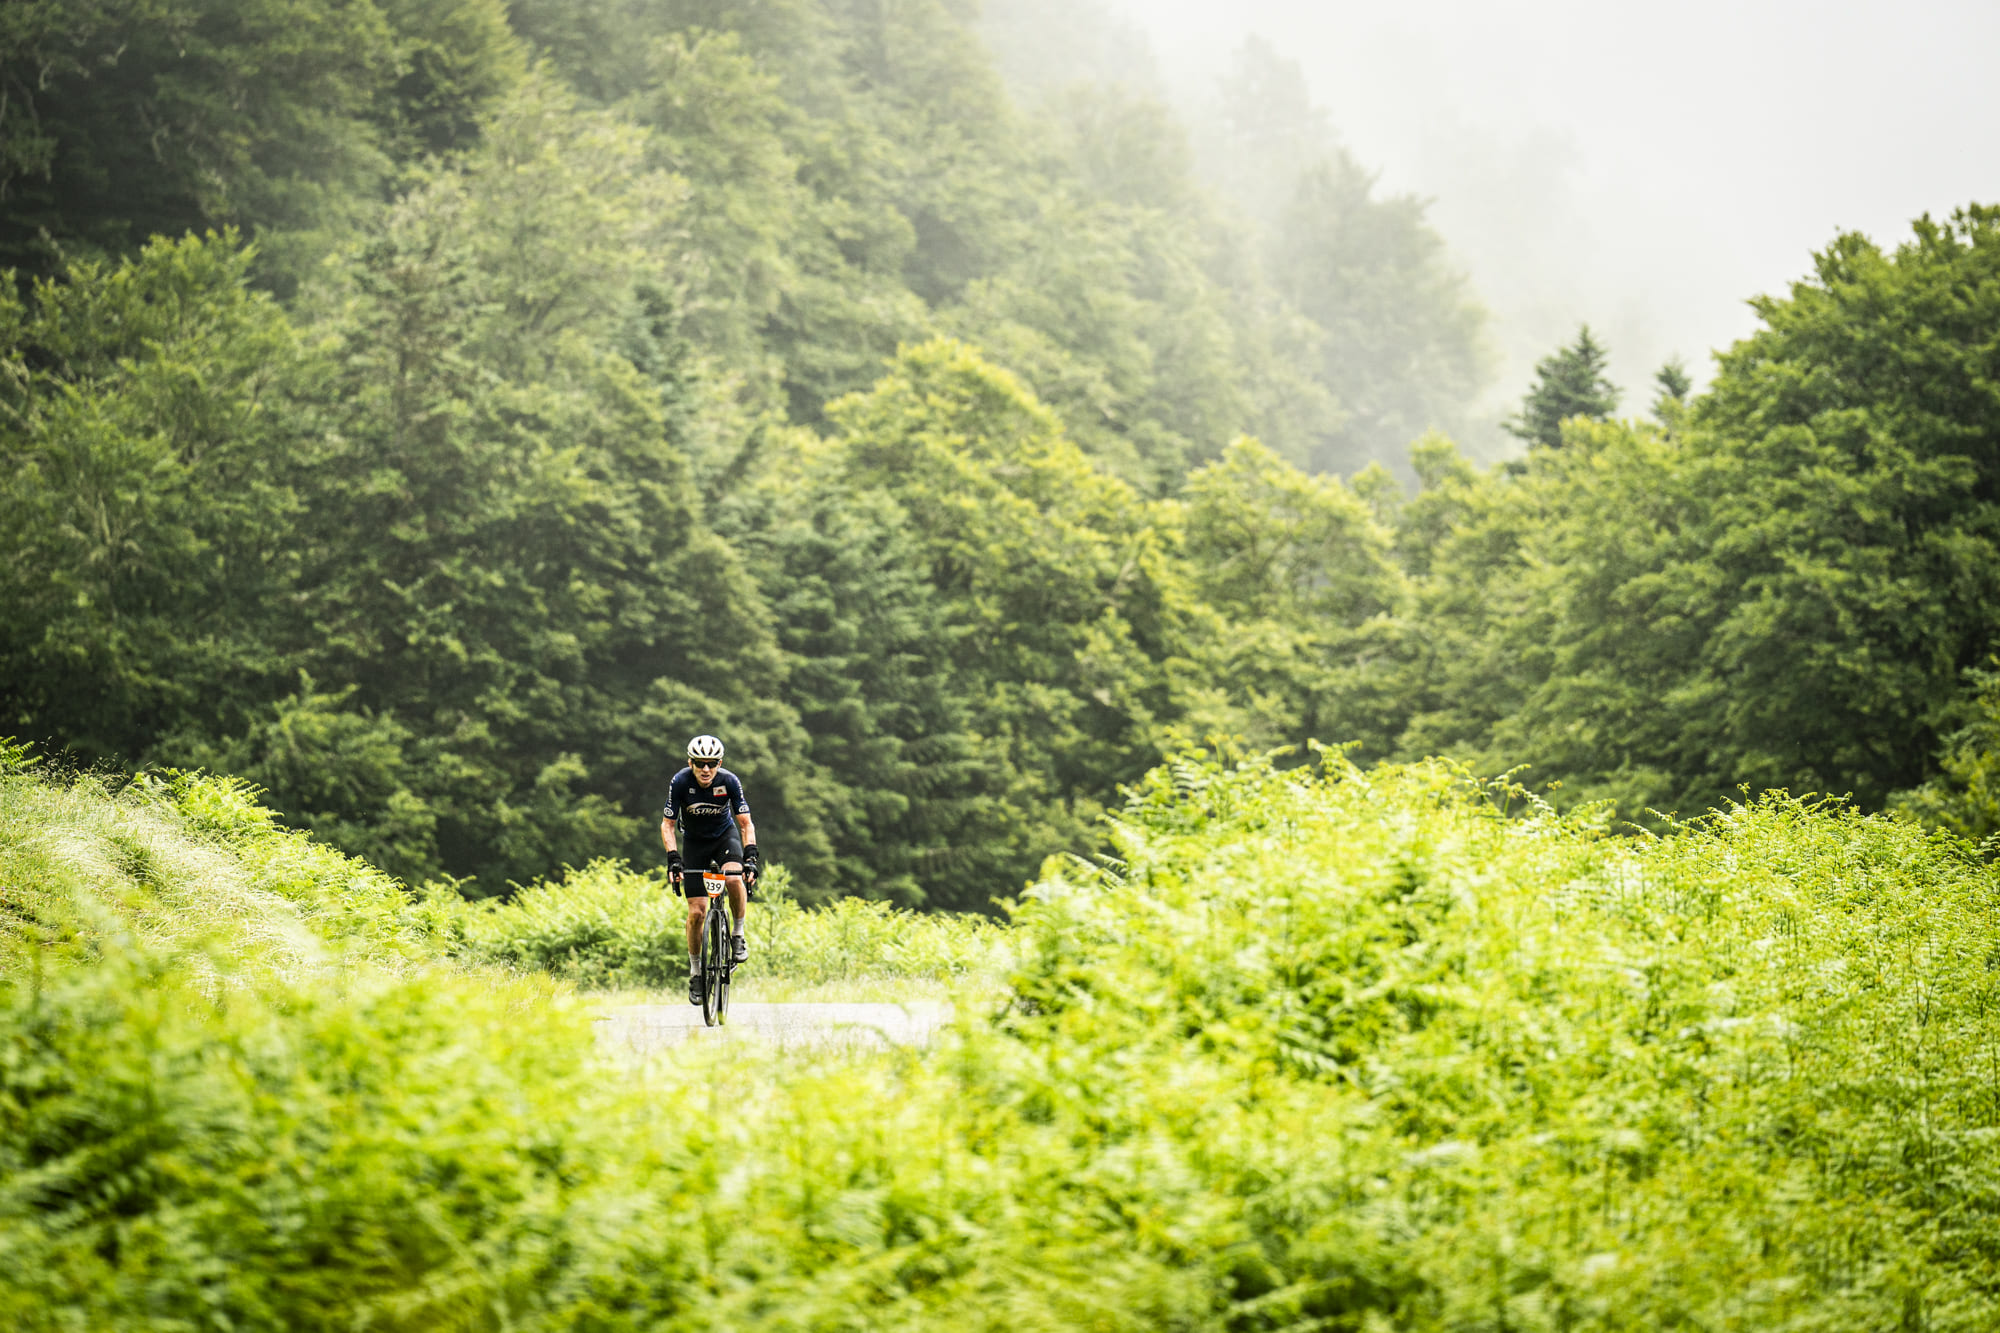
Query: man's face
[[704, 769]]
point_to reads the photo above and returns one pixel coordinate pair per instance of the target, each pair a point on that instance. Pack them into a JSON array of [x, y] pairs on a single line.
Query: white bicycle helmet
[[705, 747]]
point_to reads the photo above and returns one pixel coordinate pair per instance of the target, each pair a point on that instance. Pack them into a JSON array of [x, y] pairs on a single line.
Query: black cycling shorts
[[699, 854]]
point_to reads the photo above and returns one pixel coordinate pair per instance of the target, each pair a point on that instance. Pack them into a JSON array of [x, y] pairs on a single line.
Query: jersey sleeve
[[672, 810], [739, 803]]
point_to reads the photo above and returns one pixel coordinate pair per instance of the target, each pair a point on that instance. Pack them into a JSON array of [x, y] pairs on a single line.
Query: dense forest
[[434, 411]]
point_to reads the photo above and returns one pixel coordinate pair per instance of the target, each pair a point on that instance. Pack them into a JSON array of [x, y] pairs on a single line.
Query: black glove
[[750, 862], [674, 870]]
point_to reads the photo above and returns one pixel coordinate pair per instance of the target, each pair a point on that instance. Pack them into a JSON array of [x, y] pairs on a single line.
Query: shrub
[[1326, 1050], [608, 926], [1466, 1071], [398, 1153]]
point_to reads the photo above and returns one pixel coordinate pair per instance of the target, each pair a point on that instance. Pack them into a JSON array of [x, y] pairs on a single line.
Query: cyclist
[[706, 801]]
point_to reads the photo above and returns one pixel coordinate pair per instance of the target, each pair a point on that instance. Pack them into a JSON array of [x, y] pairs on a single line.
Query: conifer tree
[[1675, 385], [1569, 382]]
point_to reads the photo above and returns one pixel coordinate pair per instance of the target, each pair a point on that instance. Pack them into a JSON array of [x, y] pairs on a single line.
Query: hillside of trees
[[434, 413]]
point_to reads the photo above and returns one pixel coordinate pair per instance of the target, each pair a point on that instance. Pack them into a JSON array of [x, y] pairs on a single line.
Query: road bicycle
[[717, 957]]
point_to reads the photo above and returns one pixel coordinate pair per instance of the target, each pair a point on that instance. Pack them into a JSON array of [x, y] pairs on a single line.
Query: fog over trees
[[1590, 163]]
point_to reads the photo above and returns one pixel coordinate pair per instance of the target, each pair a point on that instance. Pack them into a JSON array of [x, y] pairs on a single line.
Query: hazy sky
[[1642, 167]]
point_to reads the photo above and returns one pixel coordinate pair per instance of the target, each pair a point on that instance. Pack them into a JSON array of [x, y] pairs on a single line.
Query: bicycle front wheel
[[722, 983], [714, 964]]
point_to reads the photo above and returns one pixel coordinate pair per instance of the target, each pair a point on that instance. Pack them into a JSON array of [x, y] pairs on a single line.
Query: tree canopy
[[464, 405]]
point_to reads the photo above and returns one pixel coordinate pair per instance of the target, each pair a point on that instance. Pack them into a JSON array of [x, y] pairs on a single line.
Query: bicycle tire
[[725, 966], [728, 974], [712, 944]]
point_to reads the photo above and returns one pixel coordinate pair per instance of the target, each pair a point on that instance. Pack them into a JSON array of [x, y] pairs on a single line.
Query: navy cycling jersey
[[704, 809]]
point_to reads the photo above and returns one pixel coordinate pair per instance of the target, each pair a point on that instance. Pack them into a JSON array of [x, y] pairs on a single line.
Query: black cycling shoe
[[694, 989], [739, 952]]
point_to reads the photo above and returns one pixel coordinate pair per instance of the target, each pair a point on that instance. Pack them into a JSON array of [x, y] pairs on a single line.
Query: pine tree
[[1569, 382], [1675, 385]]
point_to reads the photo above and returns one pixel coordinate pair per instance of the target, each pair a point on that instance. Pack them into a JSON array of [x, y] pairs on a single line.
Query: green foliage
[[618, 410], [1344, 327], [1359, 1050], [289, 1158], [861, 181], [990, 634], [1964, 796], [1304, 577], [753, 223], [412, 555], [1395, 336], [606, 926], [1403, 348], [1569, 383], [1782, 590], [1456, 1067], [1556, 624], [126, 119], [148, 472], [602, 925], [490, 588], [194, 869], [344, 773], [1675, 385], [16, 757], [455, 60], [1065, 609], [1855, 472], [915, 800], [567, 432], [861, 939]]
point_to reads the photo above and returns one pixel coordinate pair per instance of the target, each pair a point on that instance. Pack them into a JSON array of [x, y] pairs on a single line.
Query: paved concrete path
[[639, 1028]]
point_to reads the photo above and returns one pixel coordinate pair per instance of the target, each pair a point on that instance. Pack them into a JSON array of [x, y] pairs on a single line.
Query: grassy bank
[[1330, 1050]]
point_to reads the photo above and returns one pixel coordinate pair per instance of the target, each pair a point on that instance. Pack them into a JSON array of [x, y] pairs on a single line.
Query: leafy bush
[[1325, 1050], [1964, 796], [602, 926], [391, 1154], [1465, 1071], [608, 926]]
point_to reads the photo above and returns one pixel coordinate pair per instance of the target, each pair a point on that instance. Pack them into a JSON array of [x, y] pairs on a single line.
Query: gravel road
[[639, 1028]]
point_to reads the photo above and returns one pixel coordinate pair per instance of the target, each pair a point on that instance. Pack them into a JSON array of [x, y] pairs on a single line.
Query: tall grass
[[1326, 1050], [178, 862]]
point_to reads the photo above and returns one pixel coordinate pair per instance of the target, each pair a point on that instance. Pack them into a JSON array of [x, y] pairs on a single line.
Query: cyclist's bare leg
[[697, 911], [739, 896]]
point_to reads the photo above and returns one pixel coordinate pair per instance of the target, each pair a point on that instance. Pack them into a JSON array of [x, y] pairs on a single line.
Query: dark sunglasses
[[704, 763]]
